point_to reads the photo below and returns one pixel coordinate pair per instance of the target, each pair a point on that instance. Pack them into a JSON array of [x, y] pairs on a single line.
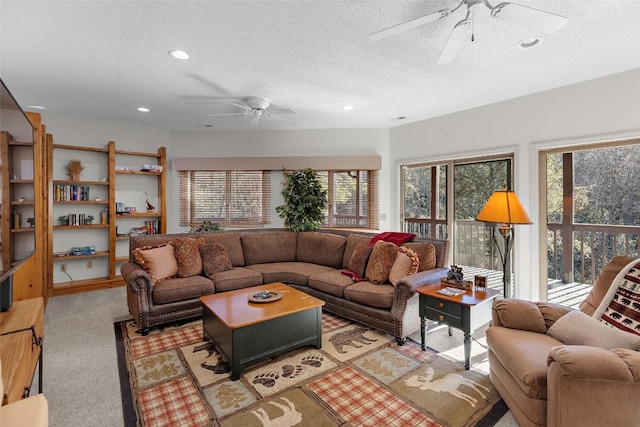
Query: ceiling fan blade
[[460, 32], [235, 104], [280, 111], [538, 20], [226, 114], [406, 26]]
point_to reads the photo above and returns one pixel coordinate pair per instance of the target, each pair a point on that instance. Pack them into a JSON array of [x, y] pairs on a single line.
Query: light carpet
[[360, 377]]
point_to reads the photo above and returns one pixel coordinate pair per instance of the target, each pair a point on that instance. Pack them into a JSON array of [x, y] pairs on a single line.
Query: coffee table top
[[234, 309], [470, 297]]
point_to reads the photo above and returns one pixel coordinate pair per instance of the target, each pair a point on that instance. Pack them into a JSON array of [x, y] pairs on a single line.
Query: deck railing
[[592, 246]]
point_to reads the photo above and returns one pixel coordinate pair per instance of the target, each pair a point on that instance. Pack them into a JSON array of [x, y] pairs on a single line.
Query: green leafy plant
[[207, 226], [305, 199]]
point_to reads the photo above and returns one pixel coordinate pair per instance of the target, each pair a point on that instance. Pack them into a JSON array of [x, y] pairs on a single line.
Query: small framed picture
[[481, 283]]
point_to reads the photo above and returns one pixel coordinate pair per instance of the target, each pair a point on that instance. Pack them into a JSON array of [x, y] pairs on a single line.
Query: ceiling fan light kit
[[545, 22]]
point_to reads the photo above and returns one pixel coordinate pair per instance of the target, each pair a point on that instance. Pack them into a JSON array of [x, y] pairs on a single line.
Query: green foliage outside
[[305, 199], [207, 226]]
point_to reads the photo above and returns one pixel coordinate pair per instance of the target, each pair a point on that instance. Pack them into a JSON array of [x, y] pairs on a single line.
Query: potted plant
[[305, 199], [207, 226]]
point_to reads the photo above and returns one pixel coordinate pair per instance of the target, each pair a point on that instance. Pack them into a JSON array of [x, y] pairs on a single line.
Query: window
[[225, 197], [353, 200]]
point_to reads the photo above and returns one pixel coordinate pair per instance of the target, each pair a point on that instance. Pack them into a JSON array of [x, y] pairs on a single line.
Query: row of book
[[149, 227], [79, 219], [70, 192]]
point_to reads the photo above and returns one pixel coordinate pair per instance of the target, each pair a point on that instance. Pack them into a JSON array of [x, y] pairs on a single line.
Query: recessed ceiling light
[[347, 107], [143, 109], [529, 43], [36, 107], [179, 54]]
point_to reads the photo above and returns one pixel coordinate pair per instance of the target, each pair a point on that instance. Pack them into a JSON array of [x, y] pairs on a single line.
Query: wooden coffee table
[[467, 312], [247, 332]]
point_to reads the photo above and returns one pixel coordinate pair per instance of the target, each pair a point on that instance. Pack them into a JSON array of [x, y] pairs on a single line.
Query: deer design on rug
[[447, 384], [290, 416]]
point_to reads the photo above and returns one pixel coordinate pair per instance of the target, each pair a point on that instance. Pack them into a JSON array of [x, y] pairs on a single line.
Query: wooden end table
[[247, 332], [467, 312]]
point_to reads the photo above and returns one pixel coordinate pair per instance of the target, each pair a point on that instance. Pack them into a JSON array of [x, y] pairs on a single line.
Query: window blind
[[225, 197]]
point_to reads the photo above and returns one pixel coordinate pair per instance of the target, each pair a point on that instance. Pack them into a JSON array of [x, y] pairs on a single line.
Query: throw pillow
[[620, 306], [159, 261], [359, 258], [214, 259], [380, 262], [577, 328], [406, 263], [188, 256], [427, 254]]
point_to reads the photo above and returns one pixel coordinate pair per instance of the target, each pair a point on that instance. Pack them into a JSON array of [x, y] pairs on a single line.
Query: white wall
[[590, 111]]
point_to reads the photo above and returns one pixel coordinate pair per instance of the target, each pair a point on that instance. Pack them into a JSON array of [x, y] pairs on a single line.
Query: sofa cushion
[[406, 263], [603, 283], [331, 282], [231, 242], [187, 255], [289, 272], [159, 261], [524, 355], [320, 248], [237, 278], [426, 252], [214, 259], [380, 262], [519, 314], [577, 328], [181, 288], [359, 259], [367, 293], [352, 241], [260, 248]]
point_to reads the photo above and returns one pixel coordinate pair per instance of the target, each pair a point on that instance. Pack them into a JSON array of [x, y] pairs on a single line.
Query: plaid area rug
[[360, 377]]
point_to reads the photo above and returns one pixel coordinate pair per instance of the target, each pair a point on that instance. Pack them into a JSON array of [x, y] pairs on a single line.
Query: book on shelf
[[70, 192]]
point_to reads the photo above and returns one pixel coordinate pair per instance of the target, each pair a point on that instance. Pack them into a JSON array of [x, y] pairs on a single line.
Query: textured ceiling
[[103, 59]]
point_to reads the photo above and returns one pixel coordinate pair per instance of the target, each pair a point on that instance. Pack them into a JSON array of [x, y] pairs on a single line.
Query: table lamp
[[503, 207]]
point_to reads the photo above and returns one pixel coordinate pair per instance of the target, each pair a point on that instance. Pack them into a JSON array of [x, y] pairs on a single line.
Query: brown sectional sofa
[[309, 261]]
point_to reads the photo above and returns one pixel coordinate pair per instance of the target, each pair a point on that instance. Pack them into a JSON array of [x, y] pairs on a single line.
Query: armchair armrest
[[526, 315], [586, 385]]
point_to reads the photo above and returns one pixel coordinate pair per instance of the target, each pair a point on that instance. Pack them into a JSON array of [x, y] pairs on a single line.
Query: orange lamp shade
[[503, 207]]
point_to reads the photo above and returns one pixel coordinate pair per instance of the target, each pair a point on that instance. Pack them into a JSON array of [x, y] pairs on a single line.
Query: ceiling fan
[[538, 20], [256, 108]]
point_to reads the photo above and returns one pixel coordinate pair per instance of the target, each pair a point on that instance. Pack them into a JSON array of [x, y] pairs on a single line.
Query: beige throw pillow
[[159, 261], [577, 328], [407, 262]]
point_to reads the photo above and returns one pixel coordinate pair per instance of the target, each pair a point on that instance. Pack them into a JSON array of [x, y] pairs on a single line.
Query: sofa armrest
[[587, 386], [423, 278], [526, 315], [135, 277]]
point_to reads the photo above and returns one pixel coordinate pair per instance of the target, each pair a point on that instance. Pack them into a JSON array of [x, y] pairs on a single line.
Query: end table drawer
[[445, 307], [442, 317]]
